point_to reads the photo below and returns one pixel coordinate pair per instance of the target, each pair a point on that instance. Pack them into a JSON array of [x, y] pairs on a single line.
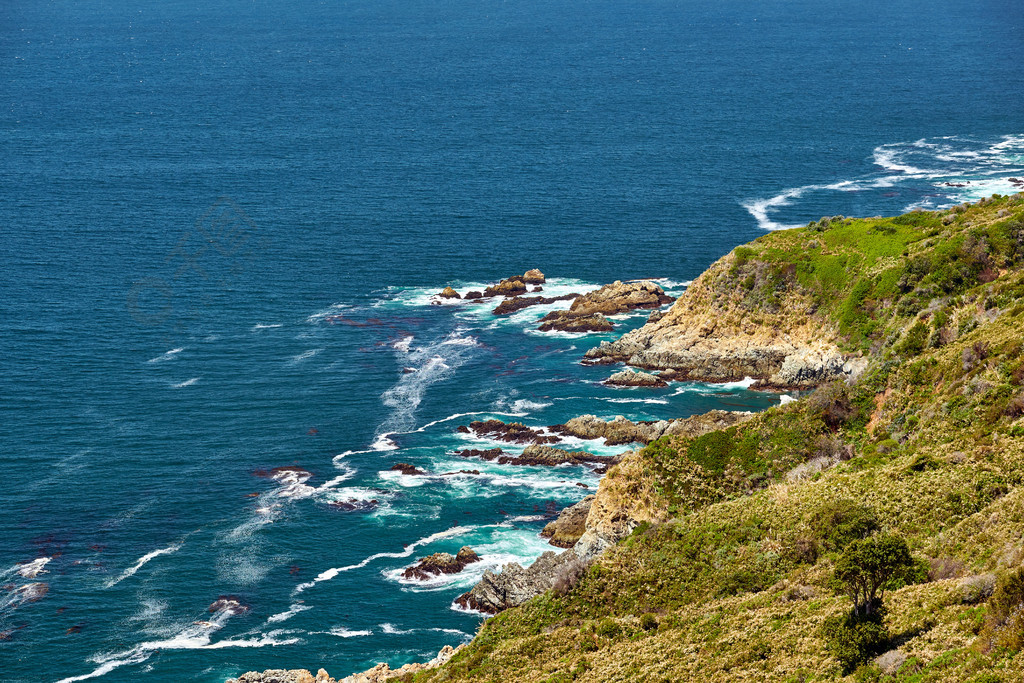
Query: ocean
[[222, 226]]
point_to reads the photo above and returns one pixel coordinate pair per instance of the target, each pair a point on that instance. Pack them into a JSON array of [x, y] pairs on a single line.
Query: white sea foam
[[935, 173], [305, 354], [186, 383], [652, 401], [166, 356], [409, 549], [391, 629], [786, 398], [196, 636], [343, 632], [288, 614], [31, 570], [262, 326], [403, 344], [330, 311], [130, 571]]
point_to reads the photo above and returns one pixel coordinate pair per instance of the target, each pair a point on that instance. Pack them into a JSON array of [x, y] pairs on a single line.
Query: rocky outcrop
[[518, 303], [570, 525], [512, 286], [546, 456], [569, 321], [620, 297], [619, 430], [449, 293], [622, 502], [707, 336], [378, 674], [231, 604], [630, 378], [489, 454], [512, 432], [513, 586], [441, 563]]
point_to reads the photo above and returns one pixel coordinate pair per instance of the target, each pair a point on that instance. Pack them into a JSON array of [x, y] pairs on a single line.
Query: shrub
[[608, 627], [854, 639], [1004, 624], [843, 521], [648, 622], [833, 404], [569, 574]]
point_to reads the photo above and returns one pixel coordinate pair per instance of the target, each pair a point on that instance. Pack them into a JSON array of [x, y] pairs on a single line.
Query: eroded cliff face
[[715, 333]]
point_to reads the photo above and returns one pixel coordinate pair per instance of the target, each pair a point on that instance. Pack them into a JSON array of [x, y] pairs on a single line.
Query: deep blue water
[[220, 224]]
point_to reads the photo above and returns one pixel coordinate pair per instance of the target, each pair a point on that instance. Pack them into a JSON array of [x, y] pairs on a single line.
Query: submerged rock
[[232, 604], [570, 525], [518, 303], [569, 321], [406, 468], [631, 378], [441, 563]]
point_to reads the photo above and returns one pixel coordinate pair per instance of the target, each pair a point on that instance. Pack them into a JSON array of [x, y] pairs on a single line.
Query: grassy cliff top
[[730, 576]]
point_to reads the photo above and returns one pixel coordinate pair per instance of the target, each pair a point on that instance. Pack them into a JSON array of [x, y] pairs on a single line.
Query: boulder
[[570, 525], [620, 431], [568, 321], [533, 277], [474, 295], [441, 563], [449, 293], [629, 378], [489, 454]]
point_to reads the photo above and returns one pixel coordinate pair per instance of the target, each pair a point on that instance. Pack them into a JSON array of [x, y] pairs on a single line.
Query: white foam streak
[[166, 356], [139, 564], [31, 570], [288, 614], [186, 383], [409, 549]]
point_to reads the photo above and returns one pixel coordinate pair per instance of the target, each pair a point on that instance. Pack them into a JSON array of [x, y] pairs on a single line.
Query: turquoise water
[[221, 226]]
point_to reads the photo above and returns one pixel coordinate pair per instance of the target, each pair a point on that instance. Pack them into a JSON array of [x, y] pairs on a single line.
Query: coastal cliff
[[710, 554]]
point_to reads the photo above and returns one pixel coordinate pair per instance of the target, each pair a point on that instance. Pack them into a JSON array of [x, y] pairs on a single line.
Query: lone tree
[[868, 566]]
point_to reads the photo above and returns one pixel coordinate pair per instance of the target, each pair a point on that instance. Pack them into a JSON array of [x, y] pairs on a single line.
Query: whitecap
[[342, 632], [186, 383], [31, 570], [262, 326], [786, 398], [305, 354]]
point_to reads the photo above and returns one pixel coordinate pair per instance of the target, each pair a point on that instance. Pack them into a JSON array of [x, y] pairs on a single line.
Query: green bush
[[853, 639], [608, 627], [648, 622], [1004, 624]]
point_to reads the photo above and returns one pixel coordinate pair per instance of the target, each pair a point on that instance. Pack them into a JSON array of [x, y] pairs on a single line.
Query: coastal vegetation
[[871, 530]]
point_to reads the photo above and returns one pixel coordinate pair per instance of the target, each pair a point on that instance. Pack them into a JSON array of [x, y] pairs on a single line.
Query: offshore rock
[[533, 277], [512, 432], [569, 321], [620, 297], [518, 303], [378, 674], [512, 286], [441, 563], [449, 293], [406, 468], [570, 525], [630, 378], [620, 431]]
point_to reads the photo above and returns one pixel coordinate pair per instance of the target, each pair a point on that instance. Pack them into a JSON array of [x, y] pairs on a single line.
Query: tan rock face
[[570, 525], [569, 321], [707, 336], [449, 293], [533, 277], [620, 297]]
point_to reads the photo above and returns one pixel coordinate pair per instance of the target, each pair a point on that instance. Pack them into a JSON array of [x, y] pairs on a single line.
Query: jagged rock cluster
[[441, 563]]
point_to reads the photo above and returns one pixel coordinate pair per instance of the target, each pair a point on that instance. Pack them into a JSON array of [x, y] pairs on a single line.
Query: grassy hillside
[[733, 581]]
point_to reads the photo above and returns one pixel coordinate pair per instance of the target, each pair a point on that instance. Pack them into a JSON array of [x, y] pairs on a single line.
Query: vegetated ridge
[[873, 529]]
